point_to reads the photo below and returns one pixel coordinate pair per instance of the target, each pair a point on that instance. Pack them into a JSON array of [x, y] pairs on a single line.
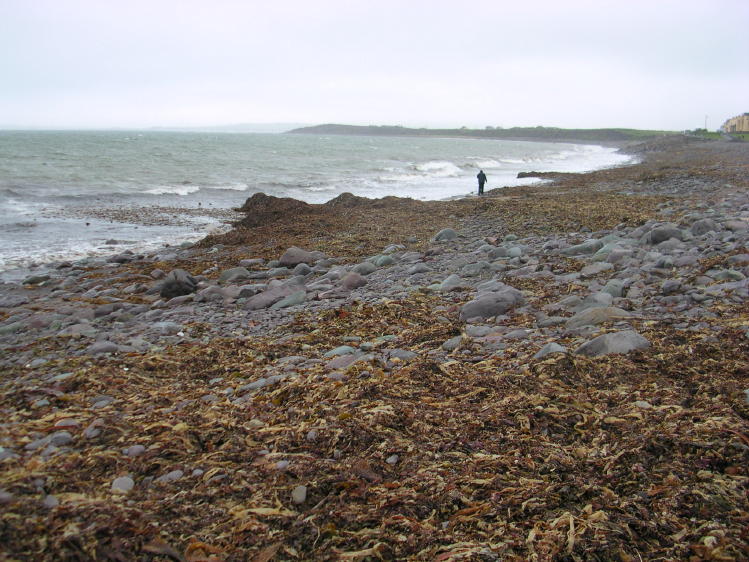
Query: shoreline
[[548, 370], [123, 217]]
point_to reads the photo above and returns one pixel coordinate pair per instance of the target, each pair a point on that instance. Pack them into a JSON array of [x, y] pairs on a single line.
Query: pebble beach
[[556, 371]]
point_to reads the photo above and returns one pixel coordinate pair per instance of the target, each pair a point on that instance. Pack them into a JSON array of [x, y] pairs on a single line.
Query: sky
[[650, 64]]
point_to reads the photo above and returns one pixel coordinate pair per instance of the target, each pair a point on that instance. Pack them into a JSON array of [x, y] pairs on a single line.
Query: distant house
[[738, 124]]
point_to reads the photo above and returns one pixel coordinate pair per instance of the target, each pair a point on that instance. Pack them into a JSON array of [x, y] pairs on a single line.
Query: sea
[[65, 195]]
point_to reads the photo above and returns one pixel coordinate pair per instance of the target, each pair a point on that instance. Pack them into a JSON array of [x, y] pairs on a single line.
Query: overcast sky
[[657, 64]]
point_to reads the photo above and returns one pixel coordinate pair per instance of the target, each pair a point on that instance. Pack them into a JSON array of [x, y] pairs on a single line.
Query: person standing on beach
[[482, 180]]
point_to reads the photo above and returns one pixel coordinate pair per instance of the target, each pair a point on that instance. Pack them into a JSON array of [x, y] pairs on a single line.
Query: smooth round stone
[[392, 459], [50, 502], [282, 465], [341, 350], [123, 485], [60, 438], [135, 450], [299, 494], [171, 476]]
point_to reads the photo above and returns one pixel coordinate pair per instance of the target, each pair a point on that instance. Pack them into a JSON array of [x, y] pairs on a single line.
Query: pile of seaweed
[[622, 457]]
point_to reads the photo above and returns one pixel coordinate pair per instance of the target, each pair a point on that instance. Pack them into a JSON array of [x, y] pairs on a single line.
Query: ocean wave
[[237, 186], [172, 190], [439, 169], [489, 163]]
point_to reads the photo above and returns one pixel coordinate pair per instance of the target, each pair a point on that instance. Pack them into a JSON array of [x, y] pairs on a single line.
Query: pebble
[[170, 476], [122, 485], [134, 450], [299, 495], [392, 459], [50, 502]]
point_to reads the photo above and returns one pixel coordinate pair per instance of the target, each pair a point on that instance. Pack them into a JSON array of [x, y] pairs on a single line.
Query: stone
[[662, 233], [167, 328], [364, 268], [382, 261], [299, 495], [122, 485], [302, 269], [172, 476], [615, 342], [178, 283], [294, 256], [726, 275], [445, 234], [419, 268], [50, 502], [341, 350], [704, 226], [134, 450], [100, 347], [491, 304], [234, 274], [515, 252], [474, 269], [600, 299], [549, 348], [400, 354], [595, 268], [588, 247], [595, 316], [353, 281], [36, 279], [392, 459], [294, 299], [452, 344], [670, 286], [270, 297], [60, 438], [615, 288], [451, 283]]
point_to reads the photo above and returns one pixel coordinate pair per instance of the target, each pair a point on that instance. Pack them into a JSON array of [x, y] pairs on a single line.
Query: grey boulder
[[492, 304], [616, 342], [177, 283]]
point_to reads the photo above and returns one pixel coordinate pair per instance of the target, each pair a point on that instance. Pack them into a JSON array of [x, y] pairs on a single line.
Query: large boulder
[[177, 283], [616, 342], [492, 304]]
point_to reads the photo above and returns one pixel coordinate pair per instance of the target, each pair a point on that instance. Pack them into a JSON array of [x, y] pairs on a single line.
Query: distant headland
[[548, 134]]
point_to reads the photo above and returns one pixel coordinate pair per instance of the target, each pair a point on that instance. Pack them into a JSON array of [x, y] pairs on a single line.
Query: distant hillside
[[515, 133]]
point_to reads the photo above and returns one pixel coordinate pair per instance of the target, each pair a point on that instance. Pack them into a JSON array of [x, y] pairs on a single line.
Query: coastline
[[141, 210], [400, 380]]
